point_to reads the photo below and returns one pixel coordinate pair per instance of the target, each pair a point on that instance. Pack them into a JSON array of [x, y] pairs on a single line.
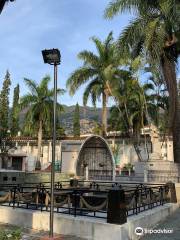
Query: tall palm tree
[[39, 104], [154, 34], [97, 70]]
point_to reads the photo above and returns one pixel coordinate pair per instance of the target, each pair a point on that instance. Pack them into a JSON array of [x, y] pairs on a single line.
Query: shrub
[[10, 234]]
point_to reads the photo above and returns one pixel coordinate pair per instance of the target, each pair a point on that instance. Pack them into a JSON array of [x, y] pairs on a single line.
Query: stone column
[[28, 148], [0, 163], [50, 151], [145, 175], [86, 173], [172, 192]]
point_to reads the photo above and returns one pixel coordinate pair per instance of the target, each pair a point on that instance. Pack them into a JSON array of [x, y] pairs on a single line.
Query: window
[[5, 178]]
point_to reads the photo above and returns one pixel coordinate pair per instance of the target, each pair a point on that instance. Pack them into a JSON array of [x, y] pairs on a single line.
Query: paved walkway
[[172, 222], [29, 234]]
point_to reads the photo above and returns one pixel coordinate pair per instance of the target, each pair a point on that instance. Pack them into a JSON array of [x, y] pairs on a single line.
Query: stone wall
[[67, 152], [12, 177], [84, 227]]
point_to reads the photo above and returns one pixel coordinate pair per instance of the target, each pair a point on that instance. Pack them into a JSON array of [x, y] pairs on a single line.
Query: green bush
[[10, 234]]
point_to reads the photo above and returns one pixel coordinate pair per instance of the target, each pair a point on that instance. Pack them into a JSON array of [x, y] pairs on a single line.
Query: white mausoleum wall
[[67, 153]]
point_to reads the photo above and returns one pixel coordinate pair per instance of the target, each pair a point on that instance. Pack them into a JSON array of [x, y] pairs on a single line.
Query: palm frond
[[91, 90], [89, 58], [44, 82], [120, 6], [50, 93], [79, 77], [31, 84], [132, 36], [99, 45], [27, 100]]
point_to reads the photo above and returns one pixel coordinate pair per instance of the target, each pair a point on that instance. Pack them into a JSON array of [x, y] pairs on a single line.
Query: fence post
[[116, 212], [172, 192], [74, 182]]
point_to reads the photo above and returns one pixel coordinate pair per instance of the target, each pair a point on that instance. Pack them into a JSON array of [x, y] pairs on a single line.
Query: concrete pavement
[[172, 222]]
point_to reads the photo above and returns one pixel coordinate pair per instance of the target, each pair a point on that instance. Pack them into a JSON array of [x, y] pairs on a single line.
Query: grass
[[10, 234]]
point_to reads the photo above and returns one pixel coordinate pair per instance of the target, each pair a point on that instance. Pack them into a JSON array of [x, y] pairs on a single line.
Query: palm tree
[[131, 100], [2, 3], [39, 105], [134, 107], [158, 97], [154, 34], [98, 70]]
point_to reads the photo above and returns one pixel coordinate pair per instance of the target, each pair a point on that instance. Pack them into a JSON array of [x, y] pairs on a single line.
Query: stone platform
[[83, 227], [159, 170]]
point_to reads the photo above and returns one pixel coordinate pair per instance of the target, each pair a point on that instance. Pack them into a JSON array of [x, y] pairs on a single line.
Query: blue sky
[[28, 26]]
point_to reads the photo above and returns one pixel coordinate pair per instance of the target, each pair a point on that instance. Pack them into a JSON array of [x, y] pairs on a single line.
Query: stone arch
[[96, 157]]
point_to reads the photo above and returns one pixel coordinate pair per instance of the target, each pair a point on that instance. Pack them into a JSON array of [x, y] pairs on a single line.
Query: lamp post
[[53, 57]]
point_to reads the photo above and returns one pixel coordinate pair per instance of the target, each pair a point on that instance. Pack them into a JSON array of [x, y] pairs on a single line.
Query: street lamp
[[53, 57]]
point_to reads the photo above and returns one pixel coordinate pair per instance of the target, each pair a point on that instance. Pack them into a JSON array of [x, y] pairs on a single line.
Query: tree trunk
[[176, 133], [169, 73], [104, 114], [39, 141]]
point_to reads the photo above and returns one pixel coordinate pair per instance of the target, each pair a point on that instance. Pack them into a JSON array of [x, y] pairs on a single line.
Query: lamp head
[[52, 56]]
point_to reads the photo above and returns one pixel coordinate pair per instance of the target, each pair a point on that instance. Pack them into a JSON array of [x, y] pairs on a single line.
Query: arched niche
[[95, 159]]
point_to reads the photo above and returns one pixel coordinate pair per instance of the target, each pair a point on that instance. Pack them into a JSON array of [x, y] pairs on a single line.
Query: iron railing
[[84, 198]]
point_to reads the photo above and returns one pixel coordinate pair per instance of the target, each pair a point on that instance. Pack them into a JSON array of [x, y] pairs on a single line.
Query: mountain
[[89, 113], [89, 116]]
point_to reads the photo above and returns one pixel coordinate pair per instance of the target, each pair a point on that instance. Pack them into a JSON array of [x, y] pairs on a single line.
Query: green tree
[[76, 122], [14, 119], [4, 105], [97, 128], [159, 98], [98, 71], [132, 104], [154, 34], [39, 105]]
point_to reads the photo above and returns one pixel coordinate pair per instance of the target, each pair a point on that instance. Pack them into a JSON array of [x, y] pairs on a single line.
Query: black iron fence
[[110, 200]]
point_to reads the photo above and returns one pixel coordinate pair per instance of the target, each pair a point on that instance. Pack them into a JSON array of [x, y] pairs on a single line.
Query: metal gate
[[96, 158]]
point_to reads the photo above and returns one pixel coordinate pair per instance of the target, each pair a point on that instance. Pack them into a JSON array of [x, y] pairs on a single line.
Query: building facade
[[99, 154]]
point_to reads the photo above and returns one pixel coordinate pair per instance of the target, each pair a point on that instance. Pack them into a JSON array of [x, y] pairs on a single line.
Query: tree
[[76, 122], [154, 34], [39, 105], [98, 71], [5, 145], [97, 128], [2, 3], [14, 119], [159, 98], [136, 106], [132, 104], [4, 105]]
